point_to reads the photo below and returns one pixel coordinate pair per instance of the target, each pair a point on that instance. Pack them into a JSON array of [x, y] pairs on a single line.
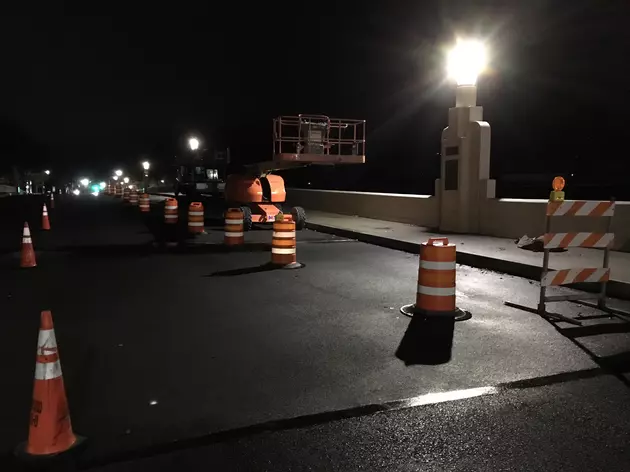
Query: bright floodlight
[[85, 182], [126, 180], [102, 185], [76, 191], [115, 177], [118, 172], [47, 172], [466, 61], [193, 143], [146, 165]]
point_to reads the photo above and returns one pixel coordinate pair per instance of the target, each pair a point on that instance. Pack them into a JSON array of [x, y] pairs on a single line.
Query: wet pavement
[[162, 345]]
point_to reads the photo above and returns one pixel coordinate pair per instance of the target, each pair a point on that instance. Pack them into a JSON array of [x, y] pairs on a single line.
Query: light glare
[[193, 143], [466, 61]]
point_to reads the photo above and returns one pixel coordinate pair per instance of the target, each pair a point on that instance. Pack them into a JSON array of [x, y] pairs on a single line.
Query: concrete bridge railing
[[504, 217]]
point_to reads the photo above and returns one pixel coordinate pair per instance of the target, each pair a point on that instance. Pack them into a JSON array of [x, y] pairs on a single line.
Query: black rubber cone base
[[459, 314], [59, 461]]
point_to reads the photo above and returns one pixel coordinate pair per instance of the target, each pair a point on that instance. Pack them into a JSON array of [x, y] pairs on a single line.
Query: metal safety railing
[[318, 134], [552, 240]]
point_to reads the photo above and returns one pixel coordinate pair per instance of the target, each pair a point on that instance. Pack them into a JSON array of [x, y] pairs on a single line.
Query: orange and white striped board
[[574, 276], [580, 208], [564, 240]]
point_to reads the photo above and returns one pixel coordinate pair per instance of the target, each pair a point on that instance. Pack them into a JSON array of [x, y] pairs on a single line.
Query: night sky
[[93, 87]]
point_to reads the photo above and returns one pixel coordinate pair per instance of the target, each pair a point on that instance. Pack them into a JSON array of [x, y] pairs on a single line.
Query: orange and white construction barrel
[[436, 281], [283, 243], [234, 232], [195, 218], [126, 194], [436, 276], [144, 203], [118, 190], [170, 211], [133, 197]]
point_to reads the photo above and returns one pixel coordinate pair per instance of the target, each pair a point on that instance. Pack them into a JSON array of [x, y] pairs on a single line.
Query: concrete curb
[[616, 288]]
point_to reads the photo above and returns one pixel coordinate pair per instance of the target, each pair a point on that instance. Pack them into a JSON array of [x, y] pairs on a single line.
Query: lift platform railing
[[318, 139]]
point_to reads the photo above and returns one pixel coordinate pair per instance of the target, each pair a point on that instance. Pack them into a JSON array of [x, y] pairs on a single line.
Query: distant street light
[[115, 177], [47, 172], [145, 165], [193, 143], [466, 61], [126, 180], [118, 172], [85, 182]]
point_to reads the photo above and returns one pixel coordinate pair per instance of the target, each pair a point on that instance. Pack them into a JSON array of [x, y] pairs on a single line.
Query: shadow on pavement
[[245, 270], [594, 330], [427, 341], [187, 248]]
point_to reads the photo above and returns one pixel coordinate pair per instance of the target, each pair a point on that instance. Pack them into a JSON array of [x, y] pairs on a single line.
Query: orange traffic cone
[[45, 220], [50, 430], [28, 254]]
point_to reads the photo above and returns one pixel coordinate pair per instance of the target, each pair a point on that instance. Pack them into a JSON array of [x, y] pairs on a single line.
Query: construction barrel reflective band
[[234, 234], [170, 211], [283, 250], [195, 218], [436, 276]]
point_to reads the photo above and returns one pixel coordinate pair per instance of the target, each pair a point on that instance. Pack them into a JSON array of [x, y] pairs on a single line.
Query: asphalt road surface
[[203, 355]]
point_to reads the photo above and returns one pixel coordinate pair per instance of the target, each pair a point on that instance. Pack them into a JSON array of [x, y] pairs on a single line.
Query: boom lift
[[298, 141]]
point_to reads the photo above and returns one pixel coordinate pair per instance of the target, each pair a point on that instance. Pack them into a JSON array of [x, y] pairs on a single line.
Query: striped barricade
[[552, 240]]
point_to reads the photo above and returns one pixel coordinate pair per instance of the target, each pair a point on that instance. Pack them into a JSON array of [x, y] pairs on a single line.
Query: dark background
[[86, 88]]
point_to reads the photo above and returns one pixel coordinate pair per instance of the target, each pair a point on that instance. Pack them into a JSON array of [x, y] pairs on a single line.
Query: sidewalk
[[486, 252]]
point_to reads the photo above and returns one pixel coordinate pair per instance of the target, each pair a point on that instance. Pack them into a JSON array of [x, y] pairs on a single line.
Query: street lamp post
[[146, 165], [465, 149]]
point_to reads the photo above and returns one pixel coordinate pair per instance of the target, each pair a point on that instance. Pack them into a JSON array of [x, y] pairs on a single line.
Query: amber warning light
[[557, 194]]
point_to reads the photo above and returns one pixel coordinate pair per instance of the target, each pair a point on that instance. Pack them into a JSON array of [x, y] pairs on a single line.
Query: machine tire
[[299, 216], [247, 218]]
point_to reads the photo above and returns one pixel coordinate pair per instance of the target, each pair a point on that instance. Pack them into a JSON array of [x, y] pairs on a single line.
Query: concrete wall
[[512, 218], [506, 217], [7, 189], [421, 210]]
